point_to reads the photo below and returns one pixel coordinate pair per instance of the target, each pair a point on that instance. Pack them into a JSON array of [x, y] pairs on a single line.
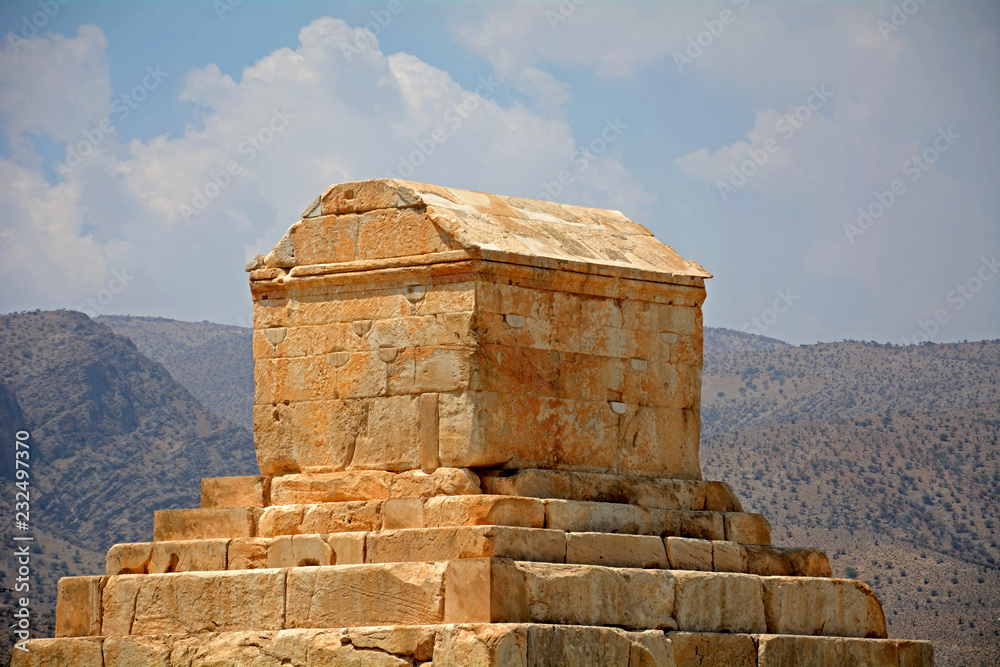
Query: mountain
[[212, 361], [113, 437], [885, 457]]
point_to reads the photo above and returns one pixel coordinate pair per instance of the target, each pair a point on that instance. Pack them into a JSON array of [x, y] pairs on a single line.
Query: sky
[[834, 165]]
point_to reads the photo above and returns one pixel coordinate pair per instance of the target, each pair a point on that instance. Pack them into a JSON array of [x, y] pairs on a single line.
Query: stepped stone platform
[[477, 422]]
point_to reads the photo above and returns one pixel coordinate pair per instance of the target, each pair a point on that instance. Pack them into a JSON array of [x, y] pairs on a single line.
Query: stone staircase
[[477, 420]]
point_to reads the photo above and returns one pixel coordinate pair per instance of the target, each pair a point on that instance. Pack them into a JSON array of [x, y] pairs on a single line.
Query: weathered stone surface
[[592, 595], [78, 606], [130, 558], [248, 553], [441, 544], [60, 652], [706, 649], [728, 557], [320, 518], [737, 602], [689, 554], [796, 651], [348, 548], [671, 494], [403, 513], [203, 524], [189, 556], [234, 491], [747, 529], [767, 562], [698, 525], [363, 595], [596, 517], [613, 550], [299, 551], [133, 651], [191, 602], [808, 562], [484, 510], [832, 607]]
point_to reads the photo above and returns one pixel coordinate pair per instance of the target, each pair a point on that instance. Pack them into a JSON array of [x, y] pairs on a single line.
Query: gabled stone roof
[[430, 219]]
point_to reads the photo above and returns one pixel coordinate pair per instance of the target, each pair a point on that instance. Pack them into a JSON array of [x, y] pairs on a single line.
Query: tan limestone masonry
[[477, 423]]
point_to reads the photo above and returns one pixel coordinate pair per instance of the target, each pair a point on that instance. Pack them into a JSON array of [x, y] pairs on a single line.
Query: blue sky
[[835, 165]]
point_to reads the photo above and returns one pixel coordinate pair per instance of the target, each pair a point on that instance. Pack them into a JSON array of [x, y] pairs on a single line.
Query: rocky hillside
[[212, 361], [885, 457], [113, 437]]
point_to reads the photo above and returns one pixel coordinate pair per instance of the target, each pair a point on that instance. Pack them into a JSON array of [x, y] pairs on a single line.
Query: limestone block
[[915, 653], [832, 607], [747, 528], [689, 554], [441, 544], [392, 437], [248, 553], [348, 548], [320, 518], [593, 595], [293, 437], [707, 649], [331, 487], [484, 510], [738, 602], [482, 646], [299, 551], [578, 516], [719, 497], [190, 602], [363, 595], [658, 493], [60, 652], [189, 556], [439, 482], [767, 562], [78, 606], [202, 524], [783, 650], [642, 551], [234, 491], [131, 558], [403, 513], [698, 525], [728, 557], [134, 650], [484, 590], [568, 645], [398, 232], [808, 562]]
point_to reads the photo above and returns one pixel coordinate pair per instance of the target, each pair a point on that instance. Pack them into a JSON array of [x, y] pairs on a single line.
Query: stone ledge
[[479, 645], [458, 510], [512, 591]]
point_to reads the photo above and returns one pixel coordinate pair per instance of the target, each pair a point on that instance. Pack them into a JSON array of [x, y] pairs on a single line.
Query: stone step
[[344, 486], [478, 590], [478, 645], [461, 510], [440, 544]]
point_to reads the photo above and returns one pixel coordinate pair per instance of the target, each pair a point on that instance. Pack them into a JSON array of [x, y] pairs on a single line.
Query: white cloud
[[183, 213]]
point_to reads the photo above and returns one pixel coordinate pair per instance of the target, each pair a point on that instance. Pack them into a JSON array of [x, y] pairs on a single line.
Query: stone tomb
[[476, 419]]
